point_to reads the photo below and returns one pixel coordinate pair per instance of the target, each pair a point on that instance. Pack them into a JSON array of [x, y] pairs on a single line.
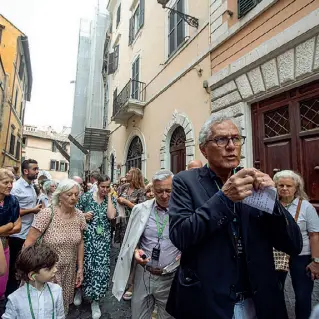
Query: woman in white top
[[48, 189], [305, 267]]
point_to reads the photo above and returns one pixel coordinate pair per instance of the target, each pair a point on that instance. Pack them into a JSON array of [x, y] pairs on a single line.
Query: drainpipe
[[12, 93]]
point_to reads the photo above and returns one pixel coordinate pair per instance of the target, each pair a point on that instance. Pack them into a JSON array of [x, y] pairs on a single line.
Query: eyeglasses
[[223, 141]]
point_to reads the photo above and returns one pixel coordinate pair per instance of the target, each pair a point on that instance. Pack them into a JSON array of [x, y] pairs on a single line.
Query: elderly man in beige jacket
[[147, 240]]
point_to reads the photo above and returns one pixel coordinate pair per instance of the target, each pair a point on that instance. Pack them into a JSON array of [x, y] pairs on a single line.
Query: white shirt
[[18, 305], [308, 222]]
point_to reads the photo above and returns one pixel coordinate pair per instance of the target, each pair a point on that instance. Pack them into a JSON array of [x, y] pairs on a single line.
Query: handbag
[[282, 259], [40, 238]]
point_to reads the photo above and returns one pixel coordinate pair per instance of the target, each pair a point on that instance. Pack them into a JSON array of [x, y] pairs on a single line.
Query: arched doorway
[[134, 155], [178, 150], [112, 167]]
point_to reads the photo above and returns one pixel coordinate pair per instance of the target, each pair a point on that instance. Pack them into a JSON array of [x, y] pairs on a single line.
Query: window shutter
[[142, 13], [131, 32], [66, 167], [118, 15], [57, 165], [111, 63], [244, 6], [116, 57], [52, 165]]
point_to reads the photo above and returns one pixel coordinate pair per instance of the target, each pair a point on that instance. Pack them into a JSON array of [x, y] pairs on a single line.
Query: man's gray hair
[[206, 130], [63, 187], [162, 175]]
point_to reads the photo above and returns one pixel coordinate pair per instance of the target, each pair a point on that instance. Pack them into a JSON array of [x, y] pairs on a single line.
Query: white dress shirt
[[18, 305]]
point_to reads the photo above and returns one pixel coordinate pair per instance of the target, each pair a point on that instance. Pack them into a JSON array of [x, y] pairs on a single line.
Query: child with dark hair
[[38, 297]]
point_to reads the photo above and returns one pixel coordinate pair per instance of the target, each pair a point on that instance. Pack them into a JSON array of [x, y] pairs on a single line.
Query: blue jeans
[[245, 310], [302, 284]]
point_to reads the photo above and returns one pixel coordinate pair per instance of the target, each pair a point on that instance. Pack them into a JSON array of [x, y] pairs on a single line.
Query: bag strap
[[40, 238], [298, 210]]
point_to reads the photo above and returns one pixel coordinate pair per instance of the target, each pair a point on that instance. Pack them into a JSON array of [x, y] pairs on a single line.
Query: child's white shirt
[[18, 305]]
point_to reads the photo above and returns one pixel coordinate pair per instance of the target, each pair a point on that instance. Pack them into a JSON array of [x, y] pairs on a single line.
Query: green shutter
[[142, 12]]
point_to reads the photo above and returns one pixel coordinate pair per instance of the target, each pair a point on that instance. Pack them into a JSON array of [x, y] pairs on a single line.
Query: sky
[[52, 27]]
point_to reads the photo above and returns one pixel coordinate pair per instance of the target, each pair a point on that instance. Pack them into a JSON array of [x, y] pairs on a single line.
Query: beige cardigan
[[135, 228]]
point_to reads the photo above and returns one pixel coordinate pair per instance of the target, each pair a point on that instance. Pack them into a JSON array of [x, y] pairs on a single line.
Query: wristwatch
[[315, 260]]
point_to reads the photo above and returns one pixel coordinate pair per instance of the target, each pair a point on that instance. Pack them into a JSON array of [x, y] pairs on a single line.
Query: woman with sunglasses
[[99, 209]]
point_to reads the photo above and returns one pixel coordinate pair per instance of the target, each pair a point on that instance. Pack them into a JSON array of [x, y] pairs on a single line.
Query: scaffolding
[[88, 110]]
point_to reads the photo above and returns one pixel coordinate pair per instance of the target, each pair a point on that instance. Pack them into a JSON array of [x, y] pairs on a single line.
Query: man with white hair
[[147, 239], [227, 266]]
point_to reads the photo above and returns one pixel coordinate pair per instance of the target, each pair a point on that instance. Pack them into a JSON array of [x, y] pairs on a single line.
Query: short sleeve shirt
[[27, 198], [308, 222]]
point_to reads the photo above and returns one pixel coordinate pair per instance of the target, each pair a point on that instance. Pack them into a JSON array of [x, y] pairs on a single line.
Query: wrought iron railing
[[133, 90]]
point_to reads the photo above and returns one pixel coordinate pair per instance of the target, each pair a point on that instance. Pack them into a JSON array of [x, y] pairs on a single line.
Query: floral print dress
[[97, 243]]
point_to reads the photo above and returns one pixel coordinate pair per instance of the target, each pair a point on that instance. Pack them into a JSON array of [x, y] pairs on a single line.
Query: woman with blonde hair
[[305, 267], [61, 227], [149, 191], [10, 222], [129, 194]]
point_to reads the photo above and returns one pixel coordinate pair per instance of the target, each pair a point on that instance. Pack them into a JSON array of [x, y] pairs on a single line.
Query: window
[[16, 99], [54, 165], [118, 15], [24, 142], [18, 149], [114, 60], [54, 149], [135, 78], [62, 166], [1, 30], [176, 32], [21, 110], [12, 144], [244, 6], [137, 21]]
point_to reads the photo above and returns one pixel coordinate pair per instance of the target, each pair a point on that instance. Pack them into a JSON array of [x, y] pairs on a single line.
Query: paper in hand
[[262, 199]]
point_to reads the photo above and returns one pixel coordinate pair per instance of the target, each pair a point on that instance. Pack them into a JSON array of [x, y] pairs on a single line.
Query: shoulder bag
[[282, 259], [40, 238]]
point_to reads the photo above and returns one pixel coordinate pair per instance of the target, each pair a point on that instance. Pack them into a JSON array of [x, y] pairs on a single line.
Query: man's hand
[[88, 216], [240, 185], [262, 181], [138, 257], [314, 269], [37, 208]]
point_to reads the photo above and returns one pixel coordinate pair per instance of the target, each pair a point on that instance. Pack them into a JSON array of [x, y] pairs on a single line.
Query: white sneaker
[[78, 297], [96, 312]]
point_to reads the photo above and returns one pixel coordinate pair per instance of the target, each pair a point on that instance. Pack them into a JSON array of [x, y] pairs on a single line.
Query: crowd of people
[[190, 248]]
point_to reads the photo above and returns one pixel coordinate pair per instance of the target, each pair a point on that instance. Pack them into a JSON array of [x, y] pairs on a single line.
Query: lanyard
[[234, 224], [30, 303], [160, 228]]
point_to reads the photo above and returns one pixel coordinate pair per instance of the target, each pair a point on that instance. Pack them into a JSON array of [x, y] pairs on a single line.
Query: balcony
[[130, 101]]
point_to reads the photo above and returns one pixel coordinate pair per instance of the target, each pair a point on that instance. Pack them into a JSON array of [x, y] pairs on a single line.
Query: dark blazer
[[204, 285]]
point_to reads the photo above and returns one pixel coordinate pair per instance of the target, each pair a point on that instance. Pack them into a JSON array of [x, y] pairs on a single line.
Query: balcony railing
[[133, 90]]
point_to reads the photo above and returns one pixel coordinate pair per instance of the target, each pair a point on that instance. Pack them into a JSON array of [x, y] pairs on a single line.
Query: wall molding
[[178, 119]]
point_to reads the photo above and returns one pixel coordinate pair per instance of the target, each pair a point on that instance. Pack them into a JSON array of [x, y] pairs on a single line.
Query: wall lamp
[[193, 22]]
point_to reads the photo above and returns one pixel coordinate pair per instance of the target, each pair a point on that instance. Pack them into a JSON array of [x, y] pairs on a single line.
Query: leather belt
[[241, 296], [157, 271]]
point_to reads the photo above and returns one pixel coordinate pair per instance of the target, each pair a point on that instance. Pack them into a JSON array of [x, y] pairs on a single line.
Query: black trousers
[[15, 245], [302, 284]]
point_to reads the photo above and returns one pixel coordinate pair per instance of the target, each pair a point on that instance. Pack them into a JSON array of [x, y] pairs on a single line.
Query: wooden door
[[286, 135], [178, 150]]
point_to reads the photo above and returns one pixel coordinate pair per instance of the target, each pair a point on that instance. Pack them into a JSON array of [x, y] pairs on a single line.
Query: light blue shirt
[[27, 198], [18, 305]]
